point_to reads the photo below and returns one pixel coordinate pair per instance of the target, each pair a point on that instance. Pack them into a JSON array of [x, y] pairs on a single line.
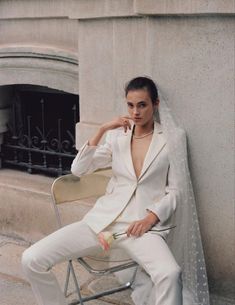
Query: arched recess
[[53, 68], [43, 67]]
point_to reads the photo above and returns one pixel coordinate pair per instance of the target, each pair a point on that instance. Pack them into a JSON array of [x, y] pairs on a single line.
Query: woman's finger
[[144, 230], [127, 117], [130, 229], [139, 230], [128, 232], [127, 122], [136, 229]]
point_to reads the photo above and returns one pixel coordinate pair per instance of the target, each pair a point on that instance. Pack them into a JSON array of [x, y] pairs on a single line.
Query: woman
[[143, 193]]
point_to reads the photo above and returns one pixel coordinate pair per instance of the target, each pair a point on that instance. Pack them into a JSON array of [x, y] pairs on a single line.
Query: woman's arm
[[93, 156], [94, 141], [167, 205], [159, 211], [139, 227]]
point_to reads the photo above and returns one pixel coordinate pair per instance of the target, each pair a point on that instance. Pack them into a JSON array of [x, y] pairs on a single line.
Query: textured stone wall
[[186, 46], [38, 44]]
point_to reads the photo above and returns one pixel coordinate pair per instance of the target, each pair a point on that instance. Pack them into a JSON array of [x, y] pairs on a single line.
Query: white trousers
[[77, 240]]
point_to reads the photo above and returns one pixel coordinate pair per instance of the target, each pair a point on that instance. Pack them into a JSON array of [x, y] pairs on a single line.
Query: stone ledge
[[33, 9], [52, 73], [22, 180], [26, 209], [184, 7], [92, 9], [41, 52], [89, 9]]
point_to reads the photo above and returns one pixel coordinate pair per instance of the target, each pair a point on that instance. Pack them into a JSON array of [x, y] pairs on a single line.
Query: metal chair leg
[[103, 293], [133, 276], [67, 279], [76, 285]]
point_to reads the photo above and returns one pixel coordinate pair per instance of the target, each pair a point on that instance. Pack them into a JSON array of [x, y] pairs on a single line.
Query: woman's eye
[[130, 106], [142, 105]]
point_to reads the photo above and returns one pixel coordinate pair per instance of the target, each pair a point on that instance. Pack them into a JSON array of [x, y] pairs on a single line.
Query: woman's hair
[[142, 82]]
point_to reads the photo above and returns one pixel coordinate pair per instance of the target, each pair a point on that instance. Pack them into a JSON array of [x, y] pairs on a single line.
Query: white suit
[[151, 190], [126, 199]]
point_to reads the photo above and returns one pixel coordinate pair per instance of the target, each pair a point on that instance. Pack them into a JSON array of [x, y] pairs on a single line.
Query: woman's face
[[140, 106]]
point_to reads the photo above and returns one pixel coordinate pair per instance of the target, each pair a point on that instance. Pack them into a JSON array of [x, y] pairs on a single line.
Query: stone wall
[[186, 46]]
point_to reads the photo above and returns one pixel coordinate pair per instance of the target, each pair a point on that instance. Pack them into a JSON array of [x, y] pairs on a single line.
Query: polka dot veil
[[185, 240]]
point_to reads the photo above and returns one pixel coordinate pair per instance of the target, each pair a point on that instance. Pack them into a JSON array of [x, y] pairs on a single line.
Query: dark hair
[[142, 82]]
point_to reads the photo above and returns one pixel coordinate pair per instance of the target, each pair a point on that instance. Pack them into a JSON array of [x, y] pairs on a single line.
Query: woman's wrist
[[94, 141], [152, 218], [103, 129]]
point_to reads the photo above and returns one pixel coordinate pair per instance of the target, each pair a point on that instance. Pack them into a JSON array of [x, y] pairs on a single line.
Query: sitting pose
[[142, 194]]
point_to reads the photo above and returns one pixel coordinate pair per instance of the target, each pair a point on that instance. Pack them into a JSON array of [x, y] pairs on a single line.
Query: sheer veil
[[185, 240]]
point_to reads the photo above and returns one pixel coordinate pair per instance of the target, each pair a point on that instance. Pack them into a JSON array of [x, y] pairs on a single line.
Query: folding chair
[[70, 188]]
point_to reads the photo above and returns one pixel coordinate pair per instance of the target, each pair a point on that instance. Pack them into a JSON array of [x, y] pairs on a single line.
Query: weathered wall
[[38, 45], [186, 46]]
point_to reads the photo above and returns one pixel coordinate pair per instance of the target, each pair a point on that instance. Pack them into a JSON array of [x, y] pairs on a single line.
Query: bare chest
[[139, 149]]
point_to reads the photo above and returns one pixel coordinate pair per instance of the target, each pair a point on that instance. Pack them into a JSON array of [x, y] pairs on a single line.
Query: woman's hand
[[139, 227], [121, 121]]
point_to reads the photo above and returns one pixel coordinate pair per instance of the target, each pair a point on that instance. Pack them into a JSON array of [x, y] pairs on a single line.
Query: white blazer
[[154, 189]]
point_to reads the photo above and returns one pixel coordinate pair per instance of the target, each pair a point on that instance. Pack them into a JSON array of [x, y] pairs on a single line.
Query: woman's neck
[[142, 130]]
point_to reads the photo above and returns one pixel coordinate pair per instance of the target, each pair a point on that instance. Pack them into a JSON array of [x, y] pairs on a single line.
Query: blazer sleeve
[[91, 158], [166, 206]]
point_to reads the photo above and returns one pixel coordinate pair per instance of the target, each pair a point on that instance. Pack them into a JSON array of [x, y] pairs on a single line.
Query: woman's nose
[[136, 111]]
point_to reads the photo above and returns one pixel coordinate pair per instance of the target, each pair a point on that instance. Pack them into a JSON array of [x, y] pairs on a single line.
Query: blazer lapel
[[156, 145], [124, 143]]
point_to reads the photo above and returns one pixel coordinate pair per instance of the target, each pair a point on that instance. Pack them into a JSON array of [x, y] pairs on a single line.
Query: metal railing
[[39, 147]]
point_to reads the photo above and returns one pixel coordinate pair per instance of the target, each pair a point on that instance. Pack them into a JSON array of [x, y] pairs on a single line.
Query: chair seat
[[69, 188]]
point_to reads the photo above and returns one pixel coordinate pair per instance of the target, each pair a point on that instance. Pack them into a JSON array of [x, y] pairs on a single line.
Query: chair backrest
[[69, 188]]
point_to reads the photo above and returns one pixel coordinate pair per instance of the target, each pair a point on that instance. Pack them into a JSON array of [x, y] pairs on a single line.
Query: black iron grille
[[41, 134]]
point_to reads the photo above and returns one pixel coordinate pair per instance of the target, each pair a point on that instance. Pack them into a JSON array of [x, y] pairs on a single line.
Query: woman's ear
[[155, 110], [156, 104]]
